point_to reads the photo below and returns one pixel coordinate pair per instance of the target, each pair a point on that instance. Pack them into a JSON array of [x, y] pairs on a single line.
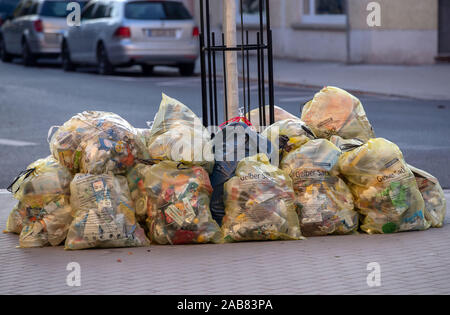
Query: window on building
[[250, 10], [324, 11]]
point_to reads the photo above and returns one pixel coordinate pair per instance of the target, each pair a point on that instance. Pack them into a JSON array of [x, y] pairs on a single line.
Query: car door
[[10, 30], [21, 24], [97, 28], [76, 35]]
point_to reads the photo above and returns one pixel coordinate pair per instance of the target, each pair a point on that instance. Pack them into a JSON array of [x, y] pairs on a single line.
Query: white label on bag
[[175, 214]]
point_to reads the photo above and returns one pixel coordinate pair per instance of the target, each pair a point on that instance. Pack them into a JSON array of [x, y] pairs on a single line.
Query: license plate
[[52, 37], [160, 32]]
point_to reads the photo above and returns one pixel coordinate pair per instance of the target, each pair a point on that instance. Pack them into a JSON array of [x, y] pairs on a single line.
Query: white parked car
[[132, 32]]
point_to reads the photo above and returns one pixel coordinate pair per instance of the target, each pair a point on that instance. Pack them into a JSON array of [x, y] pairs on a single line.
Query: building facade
[[364, 31]]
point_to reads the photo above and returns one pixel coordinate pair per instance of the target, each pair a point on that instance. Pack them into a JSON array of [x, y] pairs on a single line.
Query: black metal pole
[[208, 41], [270, 65], [225, 79], [203, 66], [242, 57], [260, 105], [248, 76], [216, 119], [261, 33]]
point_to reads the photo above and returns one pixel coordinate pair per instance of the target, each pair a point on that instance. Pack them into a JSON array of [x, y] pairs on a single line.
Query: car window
[[88, 12], [54, 9], [34, 8], [7, 7], [156, 10], [103, 11], [23, 8]]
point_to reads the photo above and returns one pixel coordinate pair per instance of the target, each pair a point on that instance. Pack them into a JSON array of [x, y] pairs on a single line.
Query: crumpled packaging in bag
[[177, 134], [384, 188], [43, 214], [326, 203], [334, 111], [433, 196], [104, 215], [346, 144], [232, 143], [259, 203], [178, 199], [288, 135], [135, 178], [279, 113], [97, 142]]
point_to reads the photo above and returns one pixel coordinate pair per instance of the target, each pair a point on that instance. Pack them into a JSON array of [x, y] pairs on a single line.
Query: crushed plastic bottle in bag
[[43, 214], [232, 143], [334, 111], [177, 198], [325, 201], [433, 195], [256, 116], [104, 215], [288, 135], [177, 134], [384, 188], [259, 203], [97, 142]]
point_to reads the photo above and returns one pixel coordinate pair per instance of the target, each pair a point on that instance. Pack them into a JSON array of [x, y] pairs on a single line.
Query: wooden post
[[229, 29]]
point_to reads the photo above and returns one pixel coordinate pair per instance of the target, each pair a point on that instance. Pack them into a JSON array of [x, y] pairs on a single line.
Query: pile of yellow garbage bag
[[108, 184], [259, 203], [43, 214]]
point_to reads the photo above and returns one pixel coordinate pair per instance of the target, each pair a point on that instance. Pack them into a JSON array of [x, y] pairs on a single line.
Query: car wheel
[[67, 63], [147, 69], [187, 69], [104, 66], [27, 56], [4, 56]]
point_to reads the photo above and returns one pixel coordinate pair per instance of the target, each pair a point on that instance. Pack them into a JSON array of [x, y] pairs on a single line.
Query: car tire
[[104, 66], [4, 56], [187, 69], [67, 63], [28, 58], [147, 69]]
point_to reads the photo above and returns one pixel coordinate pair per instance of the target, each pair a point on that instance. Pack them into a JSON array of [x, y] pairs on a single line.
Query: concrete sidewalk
[[411, 263], [431, 82]]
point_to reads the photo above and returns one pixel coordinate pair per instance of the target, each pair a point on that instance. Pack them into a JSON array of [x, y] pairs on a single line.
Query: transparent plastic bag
[[433, 196], [326, 203], [259, 203], [334, 111], [178, 198], [384, 188], [288, 135], [43, 214], [97, 142], [14, 224], [104, 215], [178, 135], [280, 114]]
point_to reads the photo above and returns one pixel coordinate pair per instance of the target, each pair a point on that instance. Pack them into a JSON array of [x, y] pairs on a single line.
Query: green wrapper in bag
[[326, 203], [104, 215], [433, 195], [259, 203], [384, 188], [334, 111]]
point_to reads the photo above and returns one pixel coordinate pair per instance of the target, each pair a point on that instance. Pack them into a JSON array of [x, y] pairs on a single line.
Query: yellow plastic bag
[[334, 111], [288, 135], [178, 135], [43, 214], [97, 142], [433, 195], [280, 114], [104, 215], [177, 197], [326, 203], [259, 203], [14, 224], [384, 188]]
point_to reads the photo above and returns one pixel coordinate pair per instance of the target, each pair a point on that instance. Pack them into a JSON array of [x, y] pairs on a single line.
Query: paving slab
[[410, 263]]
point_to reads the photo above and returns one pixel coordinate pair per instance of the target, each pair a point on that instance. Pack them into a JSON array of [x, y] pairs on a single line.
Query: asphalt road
[[33, 99]]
